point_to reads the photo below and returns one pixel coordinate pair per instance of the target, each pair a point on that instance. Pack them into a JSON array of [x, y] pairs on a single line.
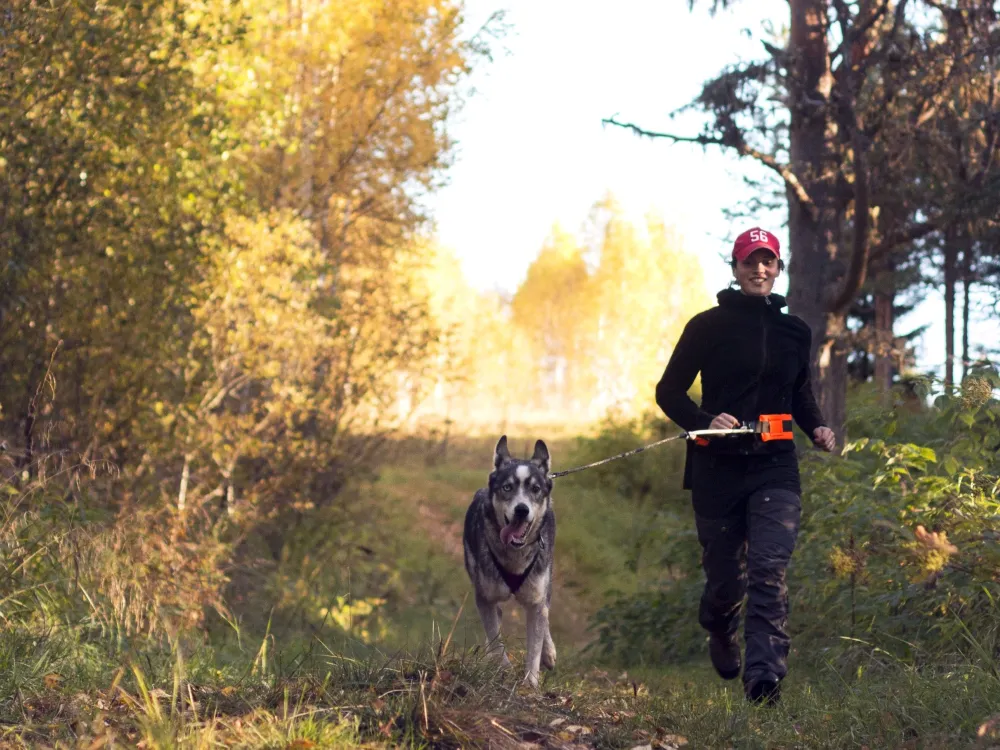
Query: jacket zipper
[[763, 358]]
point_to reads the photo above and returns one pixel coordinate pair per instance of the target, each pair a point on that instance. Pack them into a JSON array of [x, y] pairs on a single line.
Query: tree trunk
[[950, 281], [885, 298], [966, 303], [885, 294], [813, 234]]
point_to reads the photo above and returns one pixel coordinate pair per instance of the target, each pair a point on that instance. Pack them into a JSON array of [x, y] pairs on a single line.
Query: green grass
[[449, 697], [286, 677]]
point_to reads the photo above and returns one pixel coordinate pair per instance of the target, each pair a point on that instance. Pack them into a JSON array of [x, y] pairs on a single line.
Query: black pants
[[744, 554]]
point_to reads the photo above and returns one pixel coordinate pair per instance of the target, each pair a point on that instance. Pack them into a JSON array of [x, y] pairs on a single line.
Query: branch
[[843, 16], [29, 419], [990, 130], [905, 236], [861, 247], [792, 181]]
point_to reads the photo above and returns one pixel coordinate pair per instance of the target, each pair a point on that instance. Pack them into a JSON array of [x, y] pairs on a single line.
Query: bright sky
[[532, 150]]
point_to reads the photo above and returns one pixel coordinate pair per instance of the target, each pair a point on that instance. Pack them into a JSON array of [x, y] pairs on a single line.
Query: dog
[[509, 541]]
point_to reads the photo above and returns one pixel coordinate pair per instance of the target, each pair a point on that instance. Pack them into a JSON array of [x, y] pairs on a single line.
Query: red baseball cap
[[754, 239]]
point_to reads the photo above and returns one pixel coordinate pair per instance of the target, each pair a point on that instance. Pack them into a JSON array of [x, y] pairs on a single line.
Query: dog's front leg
[[538, 626], [489, 613]]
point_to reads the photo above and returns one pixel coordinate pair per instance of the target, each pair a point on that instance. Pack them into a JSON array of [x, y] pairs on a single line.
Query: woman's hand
[[824, 438], [724, 422]]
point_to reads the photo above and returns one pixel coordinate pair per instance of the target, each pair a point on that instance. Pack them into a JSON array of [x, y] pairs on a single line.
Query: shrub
[[898, 548]]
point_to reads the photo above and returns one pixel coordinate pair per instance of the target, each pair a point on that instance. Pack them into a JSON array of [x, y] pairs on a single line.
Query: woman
[[754, 360]]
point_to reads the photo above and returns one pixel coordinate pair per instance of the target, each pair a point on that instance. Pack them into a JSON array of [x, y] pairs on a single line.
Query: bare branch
[[843, 15], [904, 236], [792, 181], [29, 419], [852, 123], [861, 246]]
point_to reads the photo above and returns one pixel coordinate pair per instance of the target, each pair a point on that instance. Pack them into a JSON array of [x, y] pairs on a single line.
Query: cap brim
[[750, 249]]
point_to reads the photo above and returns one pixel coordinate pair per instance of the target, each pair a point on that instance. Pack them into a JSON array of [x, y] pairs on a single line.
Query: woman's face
[[756, 273]]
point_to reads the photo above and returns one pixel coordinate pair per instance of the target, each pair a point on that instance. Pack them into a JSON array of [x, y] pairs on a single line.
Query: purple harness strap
[[514, 581]]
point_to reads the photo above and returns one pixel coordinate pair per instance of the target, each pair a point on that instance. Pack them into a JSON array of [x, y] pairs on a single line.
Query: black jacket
[[753, 359]]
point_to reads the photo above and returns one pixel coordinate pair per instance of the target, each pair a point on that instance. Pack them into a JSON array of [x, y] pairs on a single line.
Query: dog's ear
[[541, 457], [500, 453]]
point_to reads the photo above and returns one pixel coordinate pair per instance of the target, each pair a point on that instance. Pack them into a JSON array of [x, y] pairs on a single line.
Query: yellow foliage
[[843, 564], [976, 391], [932, 551], [356, 616]]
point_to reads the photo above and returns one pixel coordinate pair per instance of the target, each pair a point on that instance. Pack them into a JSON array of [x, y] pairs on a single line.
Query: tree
[[211, 213], [602, 315], [645, 288], [112, 169], [848, 92], [552, 308]]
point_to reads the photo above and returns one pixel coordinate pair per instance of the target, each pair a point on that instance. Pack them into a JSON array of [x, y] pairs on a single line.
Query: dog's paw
[[549, 655], [531, 680]]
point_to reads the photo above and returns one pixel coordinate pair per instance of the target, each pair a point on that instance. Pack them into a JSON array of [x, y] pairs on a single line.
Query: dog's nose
[[521, 511]]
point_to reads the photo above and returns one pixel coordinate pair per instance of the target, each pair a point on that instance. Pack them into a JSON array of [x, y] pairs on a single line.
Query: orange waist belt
[[768, 427]]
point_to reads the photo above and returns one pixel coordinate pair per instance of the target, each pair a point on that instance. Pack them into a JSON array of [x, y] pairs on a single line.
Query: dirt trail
[[441, 500]]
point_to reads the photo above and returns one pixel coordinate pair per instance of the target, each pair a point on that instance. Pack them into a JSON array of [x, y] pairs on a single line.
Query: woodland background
[[246, 394]]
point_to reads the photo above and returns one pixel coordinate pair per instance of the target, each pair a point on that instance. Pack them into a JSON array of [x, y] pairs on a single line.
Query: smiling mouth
[[514, 532]]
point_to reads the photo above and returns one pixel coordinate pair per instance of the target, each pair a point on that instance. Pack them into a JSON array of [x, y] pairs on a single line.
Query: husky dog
[[509, 539]]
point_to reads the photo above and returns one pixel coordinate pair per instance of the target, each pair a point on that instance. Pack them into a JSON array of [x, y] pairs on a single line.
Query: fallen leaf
[[53, 680], [444, 677], [642, 747], [670, 742], [300, 744], [988, 726], [557, 722], [228, 690]]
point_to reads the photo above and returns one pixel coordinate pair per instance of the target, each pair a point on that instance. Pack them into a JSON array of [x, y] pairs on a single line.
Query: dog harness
[[514, 581]]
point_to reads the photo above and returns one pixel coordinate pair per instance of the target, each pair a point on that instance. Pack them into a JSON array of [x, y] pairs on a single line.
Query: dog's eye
[[536, 489], [507, 487]]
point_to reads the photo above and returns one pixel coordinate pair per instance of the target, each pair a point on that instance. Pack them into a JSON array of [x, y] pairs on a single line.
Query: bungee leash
[[768, 427]]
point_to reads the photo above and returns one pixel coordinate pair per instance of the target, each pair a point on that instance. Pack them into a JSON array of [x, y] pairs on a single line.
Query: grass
[[445, 697], [421, 679]]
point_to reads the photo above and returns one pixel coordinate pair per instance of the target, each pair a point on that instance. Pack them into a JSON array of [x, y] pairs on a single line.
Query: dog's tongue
[[513, 529]]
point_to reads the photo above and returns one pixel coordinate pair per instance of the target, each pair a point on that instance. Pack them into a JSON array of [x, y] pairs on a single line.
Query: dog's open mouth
[[514, 532]]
